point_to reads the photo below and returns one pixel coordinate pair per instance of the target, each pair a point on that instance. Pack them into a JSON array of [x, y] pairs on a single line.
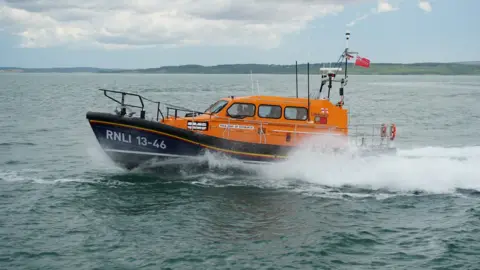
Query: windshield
[[216, 107]]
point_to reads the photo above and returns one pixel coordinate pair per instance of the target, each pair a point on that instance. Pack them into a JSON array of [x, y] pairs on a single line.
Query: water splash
[[432, 170]]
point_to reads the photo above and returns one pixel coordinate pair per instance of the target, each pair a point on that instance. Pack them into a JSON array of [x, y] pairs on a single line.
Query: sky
[[154, 33]]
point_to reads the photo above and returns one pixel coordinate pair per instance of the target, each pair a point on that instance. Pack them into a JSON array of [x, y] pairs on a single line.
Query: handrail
[[190, 113], [123, 97], [124, 105], [141, 98]]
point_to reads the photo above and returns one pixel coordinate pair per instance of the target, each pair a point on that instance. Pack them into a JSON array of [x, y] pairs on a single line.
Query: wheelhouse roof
[[272, 99]]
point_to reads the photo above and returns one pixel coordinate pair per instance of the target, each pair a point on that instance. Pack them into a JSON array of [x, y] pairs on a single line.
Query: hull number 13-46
[[140, 140]]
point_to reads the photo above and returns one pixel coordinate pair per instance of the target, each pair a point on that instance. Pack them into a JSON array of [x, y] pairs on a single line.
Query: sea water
[[64, 205]]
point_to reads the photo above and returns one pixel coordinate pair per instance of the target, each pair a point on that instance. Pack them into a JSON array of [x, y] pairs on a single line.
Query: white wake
[[429, 169]]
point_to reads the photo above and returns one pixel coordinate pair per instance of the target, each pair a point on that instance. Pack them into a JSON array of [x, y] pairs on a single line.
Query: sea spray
[[432, 170]]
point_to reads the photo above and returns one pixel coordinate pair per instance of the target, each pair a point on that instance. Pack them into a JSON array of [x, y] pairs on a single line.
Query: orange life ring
[[383, 132], [393, 132]]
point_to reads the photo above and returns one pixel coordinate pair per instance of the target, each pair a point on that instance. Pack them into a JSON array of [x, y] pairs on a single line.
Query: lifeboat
[[254, 128]]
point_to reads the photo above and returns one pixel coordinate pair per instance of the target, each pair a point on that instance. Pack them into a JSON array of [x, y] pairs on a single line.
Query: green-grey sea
[[64, 205]]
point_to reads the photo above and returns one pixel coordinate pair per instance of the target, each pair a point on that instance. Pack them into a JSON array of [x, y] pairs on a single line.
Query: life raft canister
[[393, 132]]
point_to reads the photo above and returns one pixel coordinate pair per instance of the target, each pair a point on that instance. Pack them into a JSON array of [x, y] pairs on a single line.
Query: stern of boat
[[374, 139]]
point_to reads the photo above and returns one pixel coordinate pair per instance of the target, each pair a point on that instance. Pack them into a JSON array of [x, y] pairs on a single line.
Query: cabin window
[[240, 110], [216, 107], [270, 111], [295, 113]]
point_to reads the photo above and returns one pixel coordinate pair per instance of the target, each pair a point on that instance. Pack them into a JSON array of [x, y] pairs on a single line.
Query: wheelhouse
[[275, 109]]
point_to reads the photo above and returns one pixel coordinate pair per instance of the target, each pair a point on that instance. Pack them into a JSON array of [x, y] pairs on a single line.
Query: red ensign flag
[[363, 62]]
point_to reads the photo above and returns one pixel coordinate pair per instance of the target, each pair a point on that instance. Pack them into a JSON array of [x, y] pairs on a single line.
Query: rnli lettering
[[139, 140], [119, 136], [236, 126]]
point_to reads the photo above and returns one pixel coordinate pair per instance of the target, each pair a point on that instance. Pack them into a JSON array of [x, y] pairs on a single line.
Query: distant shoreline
[[462, 68]]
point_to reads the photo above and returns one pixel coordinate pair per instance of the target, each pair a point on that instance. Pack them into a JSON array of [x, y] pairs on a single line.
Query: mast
[[296, 77], [347, 35], [308, 90], [344, 80], [328, 74]]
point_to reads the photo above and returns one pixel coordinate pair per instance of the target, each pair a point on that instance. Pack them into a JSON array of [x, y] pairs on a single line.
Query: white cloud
[[145, 23], [425, 5], [384, 6]]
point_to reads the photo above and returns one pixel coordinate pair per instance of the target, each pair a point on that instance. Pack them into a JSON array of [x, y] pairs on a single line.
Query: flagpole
[[347, 34]]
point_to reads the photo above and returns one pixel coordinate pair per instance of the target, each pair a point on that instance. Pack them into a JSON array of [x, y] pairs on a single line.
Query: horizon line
[[231, 64]]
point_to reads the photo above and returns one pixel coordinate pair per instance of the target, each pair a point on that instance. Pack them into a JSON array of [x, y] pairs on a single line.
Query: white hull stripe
[[144, 153], [172, 155]]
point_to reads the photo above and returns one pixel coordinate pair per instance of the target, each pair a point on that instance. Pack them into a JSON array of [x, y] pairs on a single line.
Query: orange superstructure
[[266, 119]]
